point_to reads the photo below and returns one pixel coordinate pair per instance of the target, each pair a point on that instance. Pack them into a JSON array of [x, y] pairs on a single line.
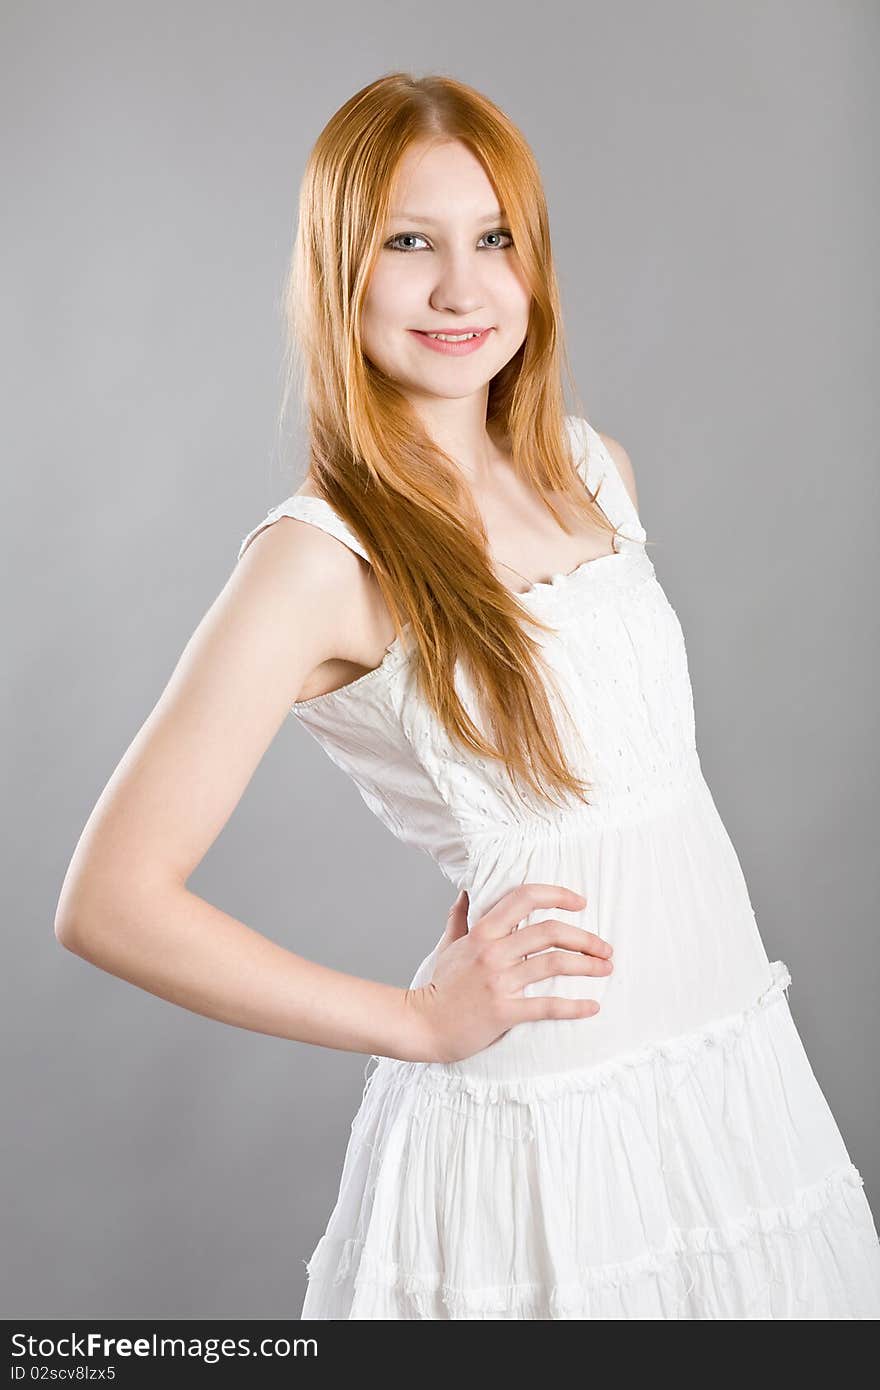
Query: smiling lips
[[454, 344]]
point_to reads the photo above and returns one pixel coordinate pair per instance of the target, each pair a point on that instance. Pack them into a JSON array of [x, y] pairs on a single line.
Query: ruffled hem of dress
[[781, 1247], [703, 1176], [438, 1078]]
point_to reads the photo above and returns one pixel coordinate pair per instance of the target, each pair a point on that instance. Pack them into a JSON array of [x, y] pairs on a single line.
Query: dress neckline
[[557, 581], [609, 492], [588, 450], [396, 651], [591, 454]]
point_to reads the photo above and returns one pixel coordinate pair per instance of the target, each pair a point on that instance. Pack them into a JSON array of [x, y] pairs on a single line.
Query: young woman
[[592, 1101]]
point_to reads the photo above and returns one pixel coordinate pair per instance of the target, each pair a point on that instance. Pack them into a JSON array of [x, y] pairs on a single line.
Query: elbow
[[66, 919], [84, 934], [75, 919], [70, 931], [92, 919]]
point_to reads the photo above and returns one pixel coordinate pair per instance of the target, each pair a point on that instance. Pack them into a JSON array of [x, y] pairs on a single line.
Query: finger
[[456, 922], [551, 1006], [549, 963], [526, 898], [537, 936]]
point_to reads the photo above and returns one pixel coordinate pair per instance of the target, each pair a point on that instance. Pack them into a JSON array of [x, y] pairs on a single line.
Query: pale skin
[[301, 614]]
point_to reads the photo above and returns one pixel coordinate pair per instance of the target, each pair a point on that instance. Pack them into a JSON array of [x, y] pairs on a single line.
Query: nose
[[457, 288]]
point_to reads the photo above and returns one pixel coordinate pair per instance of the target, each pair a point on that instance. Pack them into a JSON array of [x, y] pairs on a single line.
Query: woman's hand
[[475, 993]]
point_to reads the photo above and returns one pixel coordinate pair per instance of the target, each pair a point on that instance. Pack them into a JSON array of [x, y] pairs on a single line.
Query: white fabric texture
[[672, 1156]]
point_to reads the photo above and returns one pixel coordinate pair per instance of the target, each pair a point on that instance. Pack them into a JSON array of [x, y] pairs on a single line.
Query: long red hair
[[370, 457]]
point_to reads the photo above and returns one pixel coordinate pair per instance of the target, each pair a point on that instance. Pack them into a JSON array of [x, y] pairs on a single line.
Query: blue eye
[[501, 232], [417, 236]]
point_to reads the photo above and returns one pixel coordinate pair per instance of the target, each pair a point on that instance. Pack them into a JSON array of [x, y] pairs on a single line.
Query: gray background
[[714, 213]]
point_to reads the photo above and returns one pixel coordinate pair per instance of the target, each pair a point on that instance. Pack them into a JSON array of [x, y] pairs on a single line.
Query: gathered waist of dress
[[611, 807]]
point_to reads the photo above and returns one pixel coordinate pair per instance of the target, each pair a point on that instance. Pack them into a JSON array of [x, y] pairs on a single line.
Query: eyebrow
[[420, 217]]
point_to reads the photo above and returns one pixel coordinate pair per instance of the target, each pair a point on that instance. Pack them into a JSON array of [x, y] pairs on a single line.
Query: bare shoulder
[[624, 465], [306, 582]]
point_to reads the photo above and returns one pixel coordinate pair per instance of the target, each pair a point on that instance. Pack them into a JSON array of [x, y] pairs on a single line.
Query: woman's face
[[446, 265]]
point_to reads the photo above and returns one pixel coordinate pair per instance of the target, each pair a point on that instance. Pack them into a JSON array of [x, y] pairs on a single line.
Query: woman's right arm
[[290, 604], [296, 599]]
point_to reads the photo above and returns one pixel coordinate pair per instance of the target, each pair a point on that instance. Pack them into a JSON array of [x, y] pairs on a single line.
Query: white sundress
[[672, 1156]]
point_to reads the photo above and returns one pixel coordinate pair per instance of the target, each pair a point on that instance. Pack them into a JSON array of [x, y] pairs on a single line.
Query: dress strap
[[598, 470], [314, 510]]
